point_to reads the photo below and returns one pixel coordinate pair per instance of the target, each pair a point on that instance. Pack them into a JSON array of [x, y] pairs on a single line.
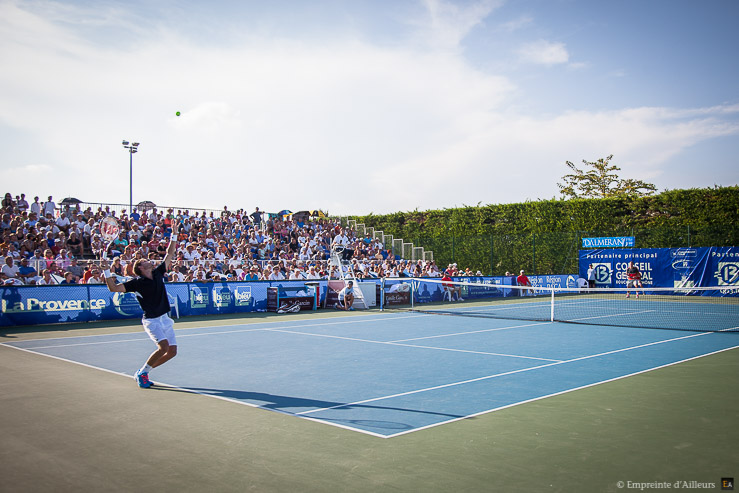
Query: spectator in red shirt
[[522, 280], [451, 288]]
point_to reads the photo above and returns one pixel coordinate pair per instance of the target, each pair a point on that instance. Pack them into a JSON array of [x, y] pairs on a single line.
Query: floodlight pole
[[132, 149]]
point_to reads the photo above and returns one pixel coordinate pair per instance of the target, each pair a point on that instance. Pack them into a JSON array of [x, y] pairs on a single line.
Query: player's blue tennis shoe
[[142, 378]]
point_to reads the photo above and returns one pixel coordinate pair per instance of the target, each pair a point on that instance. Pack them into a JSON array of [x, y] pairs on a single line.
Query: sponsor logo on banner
[[683, 264], [126, 304], [603, 273], [610, 242], [727, 274], [242, 295], [198, 297], [645, 268], [221, 297], [36, 305]]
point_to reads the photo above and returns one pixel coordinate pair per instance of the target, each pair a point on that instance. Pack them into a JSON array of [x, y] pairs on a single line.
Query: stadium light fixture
[[132, 149]]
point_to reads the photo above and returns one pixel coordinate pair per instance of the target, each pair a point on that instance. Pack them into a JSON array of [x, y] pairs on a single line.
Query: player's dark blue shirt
[[152, 295]]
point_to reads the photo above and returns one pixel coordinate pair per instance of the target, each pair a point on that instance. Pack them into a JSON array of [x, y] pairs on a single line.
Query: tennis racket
[[109, 230]]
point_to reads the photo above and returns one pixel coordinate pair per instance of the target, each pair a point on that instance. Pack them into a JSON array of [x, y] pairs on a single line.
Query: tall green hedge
[[544, 237]]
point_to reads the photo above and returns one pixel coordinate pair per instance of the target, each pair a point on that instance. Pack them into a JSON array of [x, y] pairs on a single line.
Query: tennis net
[[702, 309]]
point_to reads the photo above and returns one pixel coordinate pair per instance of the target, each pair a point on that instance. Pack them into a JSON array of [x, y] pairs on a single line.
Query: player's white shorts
[[160, 328], [632, 283]]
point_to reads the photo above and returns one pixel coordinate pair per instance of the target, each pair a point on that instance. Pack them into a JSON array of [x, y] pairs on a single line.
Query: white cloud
[[448, 23], [517, 24], [544, 53]]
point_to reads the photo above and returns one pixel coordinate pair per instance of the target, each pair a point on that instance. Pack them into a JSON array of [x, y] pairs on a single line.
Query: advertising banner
[[610, 242], [667, 267]]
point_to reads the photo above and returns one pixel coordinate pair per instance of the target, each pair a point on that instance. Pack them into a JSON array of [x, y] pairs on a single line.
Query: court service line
[[412, 345], [470, 332], [488, 377], [614, 315], [142, 336], [376, 317]]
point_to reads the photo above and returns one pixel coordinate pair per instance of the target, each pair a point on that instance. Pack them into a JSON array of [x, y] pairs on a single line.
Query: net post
[[382, 294], [552, 306]]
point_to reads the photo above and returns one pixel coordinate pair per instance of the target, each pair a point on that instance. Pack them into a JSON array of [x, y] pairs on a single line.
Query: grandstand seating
[[212, 245]]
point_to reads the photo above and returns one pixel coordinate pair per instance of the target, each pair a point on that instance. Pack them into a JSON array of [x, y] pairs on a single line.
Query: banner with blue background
[[31, 305], [666, 267]]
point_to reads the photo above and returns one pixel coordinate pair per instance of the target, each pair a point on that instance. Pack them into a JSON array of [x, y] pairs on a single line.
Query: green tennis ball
[[178, 113]]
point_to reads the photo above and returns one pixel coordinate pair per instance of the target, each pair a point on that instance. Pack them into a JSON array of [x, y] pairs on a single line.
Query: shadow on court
[[282, 403]]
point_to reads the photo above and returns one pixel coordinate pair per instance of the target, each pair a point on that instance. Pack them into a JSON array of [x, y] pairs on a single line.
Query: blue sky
[[363, 106]]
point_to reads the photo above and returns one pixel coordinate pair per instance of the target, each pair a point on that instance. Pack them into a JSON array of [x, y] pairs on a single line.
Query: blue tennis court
[[387, 374]]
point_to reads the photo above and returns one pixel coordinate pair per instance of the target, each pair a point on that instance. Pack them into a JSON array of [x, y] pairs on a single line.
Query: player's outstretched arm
[[110, 280], [172, 248]]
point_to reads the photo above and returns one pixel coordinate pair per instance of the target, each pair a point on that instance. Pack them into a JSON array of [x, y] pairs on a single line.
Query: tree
[[601, 181]]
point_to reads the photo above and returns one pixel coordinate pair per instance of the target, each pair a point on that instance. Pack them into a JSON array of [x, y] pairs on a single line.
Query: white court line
[[613, 315], [412, 345], [205, 394], [496, 375], [379, 316], [208, 333], [556, 393], [471, 332]]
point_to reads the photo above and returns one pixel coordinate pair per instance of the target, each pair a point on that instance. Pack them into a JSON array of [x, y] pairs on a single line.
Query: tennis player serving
[[152, 296]]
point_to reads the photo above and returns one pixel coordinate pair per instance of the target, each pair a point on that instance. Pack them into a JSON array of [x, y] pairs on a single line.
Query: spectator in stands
[[37, 260], [5, 221], [46, 279], [63, 222], [26, 272], [312, 274], [36, 207], [22, 204], [9, 269], [60, 243], [96, 276], [89, 230], [68, 278], [7, 203], [256, 218], [51, 243], [49, 258], [251, 274], [116, 267], [76, 269], [74, 244], [119, 244], [28, 245], [63, 260], [49, 207], [79, 223]]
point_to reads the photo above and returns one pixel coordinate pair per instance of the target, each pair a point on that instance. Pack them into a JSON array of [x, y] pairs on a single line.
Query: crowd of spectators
[[45, 244]]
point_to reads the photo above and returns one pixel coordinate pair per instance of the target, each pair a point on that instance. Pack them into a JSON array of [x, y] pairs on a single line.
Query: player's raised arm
[[172, 248], [110, 279]]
